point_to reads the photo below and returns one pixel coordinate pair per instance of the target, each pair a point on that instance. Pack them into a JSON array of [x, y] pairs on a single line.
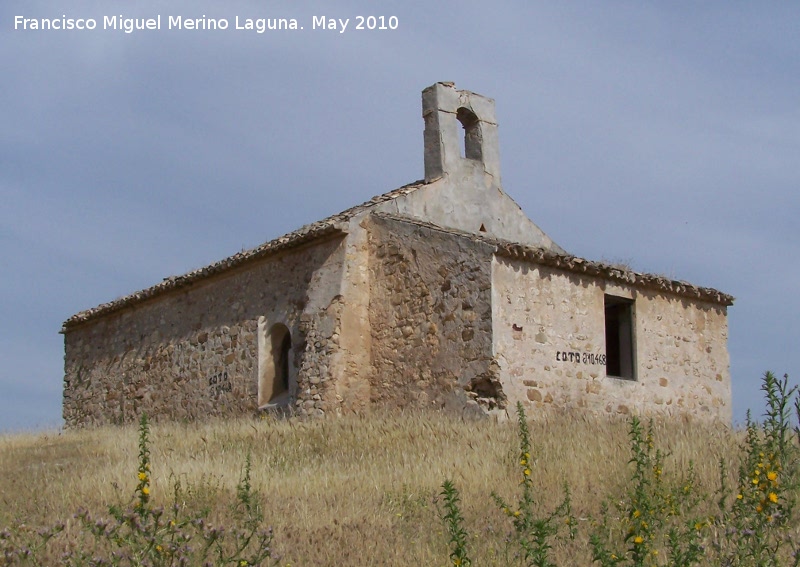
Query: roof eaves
[[172, 283], [637, 279], [579, 265], [334, 224]]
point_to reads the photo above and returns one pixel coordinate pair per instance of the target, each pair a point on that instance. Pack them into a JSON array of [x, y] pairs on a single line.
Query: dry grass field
[[356, 490]]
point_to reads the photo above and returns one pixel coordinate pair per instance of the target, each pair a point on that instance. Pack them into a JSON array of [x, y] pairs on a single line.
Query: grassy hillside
[[359, 490]]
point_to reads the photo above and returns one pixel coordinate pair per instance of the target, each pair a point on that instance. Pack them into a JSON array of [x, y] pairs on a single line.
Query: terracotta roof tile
[[579, 265], [336, 224], [326, 227]]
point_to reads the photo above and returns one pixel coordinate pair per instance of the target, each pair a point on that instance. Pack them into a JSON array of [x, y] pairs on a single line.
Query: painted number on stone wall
[[219, 383], [580, 357]]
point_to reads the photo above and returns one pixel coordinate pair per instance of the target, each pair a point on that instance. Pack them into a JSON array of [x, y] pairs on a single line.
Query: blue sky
[[665, 135]]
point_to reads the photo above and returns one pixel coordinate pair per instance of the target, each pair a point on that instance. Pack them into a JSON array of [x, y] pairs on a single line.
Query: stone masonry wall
[[549, 328], [316, 379], [430, 315], [192, 352]]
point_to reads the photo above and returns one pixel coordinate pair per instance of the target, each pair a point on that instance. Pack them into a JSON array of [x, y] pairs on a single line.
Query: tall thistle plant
[[755, 523], [654, 521], [454, 521], [534, 533]]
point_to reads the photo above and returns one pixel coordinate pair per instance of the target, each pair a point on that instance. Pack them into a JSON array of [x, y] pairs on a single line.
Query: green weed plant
[[533, 533], [657, 521], [755, 523], [532, 538], [751, 520], [653, 522], [141, 535], [454, 522]]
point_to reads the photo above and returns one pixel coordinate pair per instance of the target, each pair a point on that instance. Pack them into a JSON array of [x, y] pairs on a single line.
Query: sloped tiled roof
[[578, 265], [334, 224]]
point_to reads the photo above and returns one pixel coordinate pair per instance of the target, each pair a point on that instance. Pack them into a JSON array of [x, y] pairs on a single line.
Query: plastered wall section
[[549, 335], [430, 317], [467, 198], [193, 352], [351, 361]]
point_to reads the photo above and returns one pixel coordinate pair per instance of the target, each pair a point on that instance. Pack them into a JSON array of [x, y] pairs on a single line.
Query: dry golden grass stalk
[[356, 490]]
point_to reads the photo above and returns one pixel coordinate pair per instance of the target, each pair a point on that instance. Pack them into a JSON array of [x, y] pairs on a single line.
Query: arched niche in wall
[[275, 366]]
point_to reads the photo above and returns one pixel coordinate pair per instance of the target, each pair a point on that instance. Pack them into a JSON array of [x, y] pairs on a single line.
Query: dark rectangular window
[[620, 348]]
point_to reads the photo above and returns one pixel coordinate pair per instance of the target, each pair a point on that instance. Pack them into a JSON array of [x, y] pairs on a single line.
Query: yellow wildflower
[[636, 513], [517, 514], [142, 476], [638, 539], [755, 481], [159, 548], [527, 472], [772, 475], [759, 508], [145, 490], [698, 526], [739, 497], [773, 497]]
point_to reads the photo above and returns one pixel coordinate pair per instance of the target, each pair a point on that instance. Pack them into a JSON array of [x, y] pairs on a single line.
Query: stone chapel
[[441, 293]]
